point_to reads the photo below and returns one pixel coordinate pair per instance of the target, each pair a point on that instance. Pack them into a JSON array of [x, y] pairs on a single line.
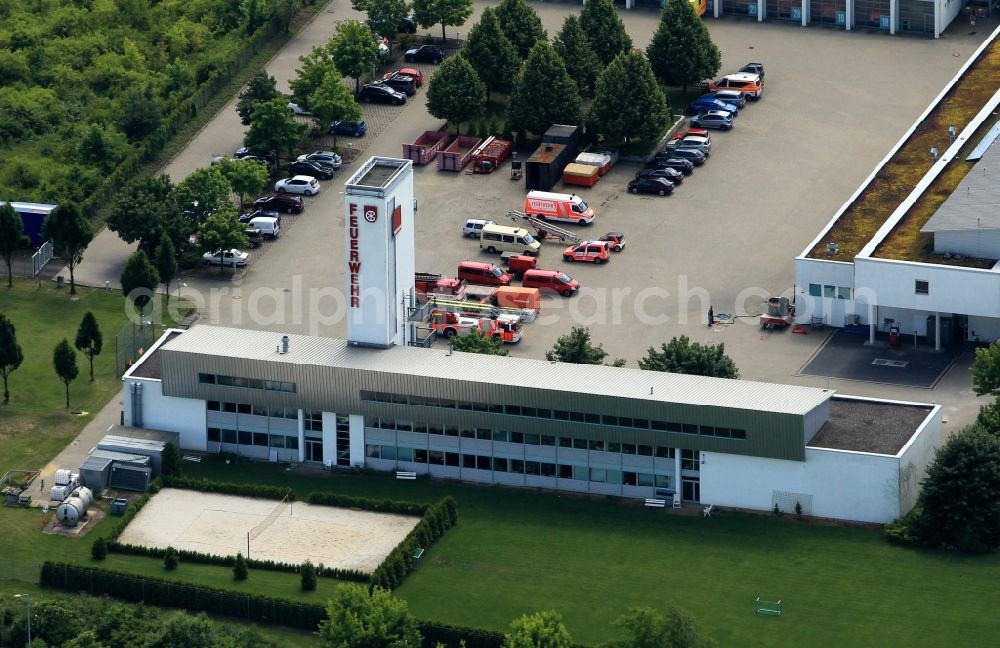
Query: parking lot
[[725, 238]]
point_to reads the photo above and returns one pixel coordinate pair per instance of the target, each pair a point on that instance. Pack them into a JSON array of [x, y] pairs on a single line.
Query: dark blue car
[[352, 128], [706, 104]]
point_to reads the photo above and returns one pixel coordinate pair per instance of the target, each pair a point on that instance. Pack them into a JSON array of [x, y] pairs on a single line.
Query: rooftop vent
[[284, 345], [832, 249]]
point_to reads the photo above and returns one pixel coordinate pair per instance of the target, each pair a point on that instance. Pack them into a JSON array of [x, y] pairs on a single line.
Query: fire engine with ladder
[[504, 327]]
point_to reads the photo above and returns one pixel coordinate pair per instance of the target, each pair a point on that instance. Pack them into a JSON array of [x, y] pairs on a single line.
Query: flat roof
[[378, 174], [975, 203], [871, 426], [598, 380]]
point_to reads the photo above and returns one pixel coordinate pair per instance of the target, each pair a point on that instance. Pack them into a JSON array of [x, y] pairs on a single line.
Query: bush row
[[166, 593], [262, 491], [435, 634], [367, 504], [133, 510], [436, 521]]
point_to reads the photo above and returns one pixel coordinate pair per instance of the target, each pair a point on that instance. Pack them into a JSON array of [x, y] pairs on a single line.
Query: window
[[576, 416], [404, 426], [405, 454], [372, 451], [532, 439], [664, 452], [260, 438], [662, 481], [229, 407], [499, 464], [565, 442], [592, 418], [229, 436], [420, 456], [843, 292], [629, 478], [544, 413], [517, 466], [658, 425], [610, 420], [213, 435], [581, 473], [645, 450], [922, 287], [597, 445], [208, 379], [388, 452], [689, 460], [532, 468], [291, 443], [517, 437], [483, 433], [244, 408], [628, 448], [245, 438], [548, 470], [451, 458], [560, 415], [738, 434], [614, 447], [689, 428], [435, 429], [528, 411], [548, 440], [314, 421], [815, 290], [645, 479], [451, 431], [213, 406], [829, 291], [483, 463], [640, 423], [277, 441], [565, 471], [580, 444], [468, 461], [598, 475], [500, 435]]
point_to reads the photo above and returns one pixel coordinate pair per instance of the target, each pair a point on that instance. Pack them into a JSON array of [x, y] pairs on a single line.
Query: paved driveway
[[726, 238]]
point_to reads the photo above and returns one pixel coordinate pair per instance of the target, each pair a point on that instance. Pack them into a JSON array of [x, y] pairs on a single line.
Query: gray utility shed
[[129, 477], [95, 471], [132, 446]]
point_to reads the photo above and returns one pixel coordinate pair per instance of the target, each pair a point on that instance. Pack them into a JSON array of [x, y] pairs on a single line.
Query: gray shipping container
[[128, 445], [95, 473]]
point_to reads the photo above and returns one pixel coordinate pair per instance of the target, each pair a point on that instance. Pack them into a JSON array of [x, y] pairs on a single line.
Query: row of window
[[518, 466], [486, 434], [833, 292], [255, 410], [219, 435], [558, 415], [246, 383]]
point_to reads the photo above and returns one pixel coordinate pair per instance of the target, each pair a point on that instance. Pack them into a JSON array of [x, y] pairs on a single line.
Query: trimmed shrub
[[240, 571], [308, 573], [170, 559], [99, 550]]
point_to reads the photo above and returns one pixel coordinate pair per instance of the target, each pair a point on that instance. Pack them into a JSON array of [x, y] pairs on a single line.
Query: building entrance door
[[691, 489], [314, 450]]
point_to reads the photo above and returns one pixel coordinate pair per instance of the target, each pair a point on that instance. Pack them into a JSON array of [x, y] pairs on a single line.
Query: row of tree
[[89, 341], [679, 355]]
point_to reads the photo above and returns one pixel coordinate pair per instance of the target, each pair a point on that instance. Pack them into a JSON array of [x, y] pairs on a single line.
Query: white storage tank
[[64, 476], [71, 511]]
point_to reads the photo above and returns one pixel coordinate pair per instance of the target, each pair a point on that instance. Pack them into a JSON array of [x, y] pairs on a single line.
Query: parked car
[[616, 239], [664, 161], [553, 280], [702, 144], [254, 236], [651, 185], [243, 153], [380, 93], [232, 258], [269, 213], [734, 97], [403, 83], [418, 76], [474, 227], [695, 156], [325, 158], [300, 184], [673, 175], [298, 110], [311, 168], [704, 104], [593, 251], [281, 203], [754, 68], [425, 54], [714, 119], [681, 134], [408, 25], [348, 127]]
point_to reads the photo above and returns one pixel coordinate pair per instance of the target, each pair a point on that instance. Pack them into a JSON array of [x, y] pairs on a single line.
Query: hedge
[[195, 598], [439, 517], [451, 635], [367, 504], [261, 491]]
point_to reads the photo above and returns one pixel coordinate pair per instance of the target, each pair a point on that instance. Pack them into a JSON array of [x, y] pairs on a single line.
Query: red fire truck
[[505, 327]]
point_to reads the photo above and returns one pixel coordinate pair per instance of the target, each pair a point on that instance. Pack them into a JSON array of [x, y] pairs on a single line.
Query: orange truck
[[506, 328]]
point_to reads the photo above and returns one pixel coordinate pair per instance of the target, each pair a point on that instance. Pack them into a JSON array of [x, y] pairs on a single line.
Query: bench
[[193, 458], [653, 502], [405, 474]]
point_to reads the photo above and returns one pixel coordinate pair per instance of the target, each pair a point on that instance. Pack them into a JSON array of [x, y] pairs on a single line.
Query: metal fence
[[41, 257], [134, 338]]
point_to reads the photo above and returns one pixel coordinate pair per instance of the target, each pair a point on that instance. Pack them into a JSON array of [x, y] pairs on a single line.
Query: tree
[[989, 417], [575, 49], [575, 348], [190, 631], [140, 114], [357, 620], [222, 231], [145, 210], [477, 342], [70, 233], [240, 571], [11, 355], [204, 192], [452, 13], [521, 25], [89, 339], [538, 630], [957, 506], [354, 50], [986, 371], [261, 87], [683, 356], [139, 280], [245, 178], [492, 55], [682, 52], [12, 237], [647, 628], [170, 462], [628, 103], [308, 576], [604, 28], [272, 128], [333, 101], [170, 559], [64, 359], [99, 550], [308, 78], [544, 94], [384, 16], [456, 93], [166, 263]]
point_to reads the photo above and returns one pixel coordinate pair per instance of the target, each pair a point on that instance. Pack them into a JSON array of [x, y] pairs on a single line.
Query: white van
[[500, 238], [558, 207], [268, 226]]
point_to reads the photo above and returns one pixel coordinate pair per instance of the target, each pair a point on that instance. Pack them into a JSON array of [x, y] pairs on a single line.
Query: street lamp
[[28, 599]]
